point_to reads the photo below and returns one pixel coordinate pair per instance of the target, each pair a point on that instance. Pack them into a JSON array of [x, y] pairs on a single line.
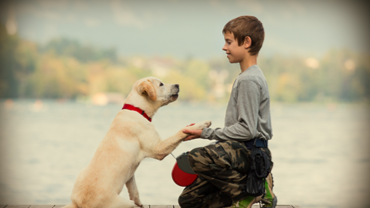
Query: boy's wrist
[[204, 133]]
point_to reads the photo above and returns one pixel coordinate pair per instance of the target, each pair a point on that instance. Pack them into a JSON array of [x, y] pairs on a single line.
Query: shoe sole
[[274, 203]]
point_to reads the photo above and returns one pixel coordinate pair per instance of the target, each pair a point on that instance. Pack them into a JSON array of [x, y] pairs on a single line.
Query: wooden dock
[[145, 206]]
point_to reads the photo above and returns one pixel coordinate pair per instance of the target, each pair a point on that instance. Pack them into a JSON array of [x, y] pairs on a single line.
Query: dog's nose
[[177, 86]]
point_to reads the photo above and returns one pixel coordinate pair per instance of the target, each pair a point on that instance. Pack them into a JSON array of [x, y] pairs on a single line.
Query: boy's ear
[[147, 87], [247, 42]]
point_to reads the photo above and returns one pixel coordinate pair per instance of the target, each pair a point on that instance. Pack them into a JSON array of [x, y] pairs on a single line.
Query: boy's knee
[[199, 159], [184, 201], [181, 201]]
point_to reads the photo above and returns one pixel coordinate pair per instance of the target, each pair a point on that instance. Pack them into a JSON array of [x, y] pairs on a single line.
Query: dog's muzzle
[[175, 95]]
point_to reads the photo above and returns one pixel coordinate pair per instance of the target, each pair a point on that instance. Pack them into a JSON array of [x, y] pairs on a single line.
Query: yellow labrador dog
[[130, 138]]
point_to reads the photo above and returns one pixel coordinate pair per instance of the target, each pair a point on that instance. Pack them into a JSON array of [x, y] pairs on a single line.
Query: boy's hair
[[244, 26]]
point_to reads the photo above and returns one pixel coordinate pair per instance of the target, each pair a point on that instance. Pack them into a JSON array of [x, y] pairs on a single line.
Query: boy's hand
[[193, 134]]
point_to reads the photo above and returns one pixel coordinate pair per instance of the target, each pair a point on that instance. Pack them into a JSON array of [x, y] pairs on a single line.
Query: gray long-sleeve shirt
[[248, 111]]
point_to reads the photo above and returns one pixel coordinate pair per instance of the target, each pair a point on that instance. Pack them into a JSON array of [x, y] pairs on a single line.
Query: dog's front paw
[[136, 200], [138, 203], [201, 125], [205, 124]]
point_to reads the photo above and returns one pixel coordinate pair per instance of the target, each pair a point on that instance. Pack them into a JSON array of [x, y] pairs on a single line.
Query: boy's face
[[235, 53]]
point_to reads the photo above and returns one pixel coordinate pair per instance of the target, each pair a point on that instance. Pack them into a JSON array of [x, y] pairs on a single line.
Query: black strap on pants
[[256, 142], [259, 167]]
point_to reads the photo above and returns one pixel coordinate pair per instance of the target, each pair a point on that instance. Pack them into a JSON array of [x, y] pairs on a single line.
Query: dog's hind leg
[[119, 202], [132, 191]]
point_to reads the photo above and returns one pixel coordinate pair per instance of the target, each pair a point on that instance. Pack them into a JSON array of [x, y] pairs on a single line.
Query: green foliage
[[56, 78], [73, 48], [190, 89], [64, 68], [17, 61], [340, 75]]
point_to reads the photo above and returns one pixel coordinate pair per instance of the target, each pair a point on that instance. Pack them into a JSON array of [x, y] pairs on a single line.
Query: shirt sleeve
[[247, 107]]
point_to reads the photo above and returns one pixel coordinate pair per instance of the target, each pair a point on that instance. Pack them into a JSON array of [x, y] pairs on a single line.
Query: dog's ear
[[146, 87]]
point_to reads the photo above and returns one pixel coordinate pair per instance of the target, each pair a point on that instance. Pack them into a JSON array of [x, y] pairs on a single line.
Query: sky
[[185, 29]]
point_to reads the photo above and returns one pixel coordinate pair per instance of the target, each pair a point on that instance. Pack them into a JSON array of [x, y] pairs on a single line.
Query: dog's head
[[154, 90]]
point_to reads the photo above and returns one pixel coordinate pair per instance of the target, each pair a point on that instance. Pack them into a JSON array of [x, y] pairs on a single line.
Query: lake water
[[320, 151]]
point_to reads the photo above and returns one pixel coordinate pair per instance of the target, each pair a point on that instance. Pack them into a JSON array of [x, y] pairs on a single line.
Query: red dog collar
[[133, 108]]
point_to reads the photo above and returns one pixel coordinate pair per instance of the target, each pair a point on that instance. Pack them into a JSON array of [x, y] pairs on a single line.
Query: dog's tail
[[72, 205]]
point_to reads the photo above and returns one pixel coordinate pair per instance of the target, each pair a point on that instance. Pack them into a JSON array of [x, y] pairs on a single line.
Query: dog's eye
[[161, 84]]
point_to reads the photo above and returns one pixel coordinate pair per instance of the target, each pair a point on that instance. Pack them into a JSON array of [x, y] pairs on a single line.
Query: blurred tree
[[57, 78], [110, 79], [72, 48], [18, 60], [8, 64], [199, 71], [190, 89]]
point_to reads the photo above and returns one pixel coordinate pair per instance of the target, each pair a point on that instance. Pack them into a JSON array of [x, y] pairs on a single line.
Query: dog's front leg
[[165, 147], [132, 191]]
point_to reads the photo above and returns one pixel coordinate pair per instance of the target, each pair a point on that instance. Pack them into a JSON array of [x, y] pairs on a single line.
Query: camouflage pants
[[222, 169]]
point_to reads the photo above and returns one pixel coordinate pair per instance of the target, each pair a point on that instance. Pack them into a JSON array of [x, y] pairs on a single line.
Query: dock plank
[[145, 206], [277, 206]]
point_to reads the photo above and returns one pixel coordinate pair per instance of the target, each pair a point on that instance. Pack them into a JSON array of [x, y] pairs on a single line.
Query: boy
[[223, 167]]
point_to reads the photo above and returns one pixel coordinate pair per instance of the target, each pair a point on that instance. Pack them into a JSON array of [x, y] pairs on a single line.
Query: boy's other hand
[[193, 134]]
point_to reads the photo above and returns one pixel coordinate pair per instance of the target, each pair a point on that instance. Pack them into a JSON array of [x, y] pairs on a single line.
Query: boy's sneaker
[[270, 199], [247, 202]]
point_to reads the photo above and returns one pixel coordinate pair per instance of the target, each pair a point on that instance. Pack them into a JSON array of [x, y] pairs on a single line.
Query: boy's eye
[[161, 84]]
